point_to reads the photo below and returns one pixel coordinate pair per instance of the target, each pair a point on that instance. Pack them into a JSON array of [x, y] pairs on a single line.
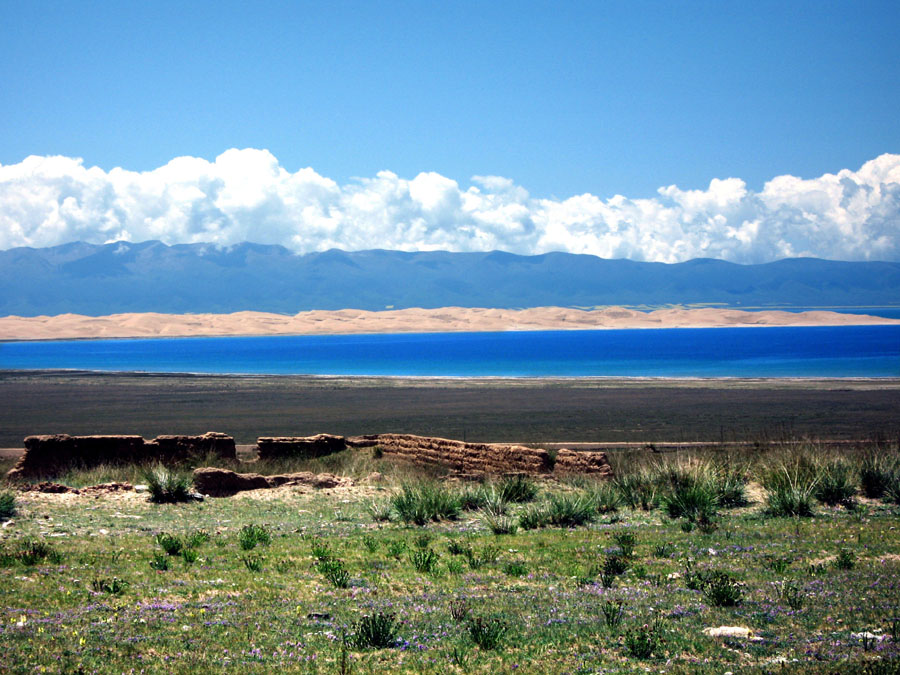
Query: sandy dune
[[445, 319]]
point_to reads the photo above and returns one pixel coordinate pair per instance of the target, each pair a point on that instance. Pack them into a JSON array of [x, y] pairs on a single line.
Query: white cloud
[[246, 195]]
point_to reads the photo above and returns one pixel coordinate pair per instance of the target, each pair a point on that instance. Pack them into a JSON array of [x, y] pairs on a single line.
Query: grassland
[[295, 580]]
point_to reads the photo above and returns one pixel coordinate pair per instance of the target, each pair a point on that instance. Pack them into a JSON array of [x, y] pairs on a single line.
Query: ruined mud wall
[[217, 482], [483, 458], [305, 447], [47, 456]]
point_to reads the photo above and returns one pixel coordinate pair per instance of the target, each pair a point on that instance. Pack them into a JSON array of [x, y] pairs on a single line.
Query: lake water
[[845, 351]]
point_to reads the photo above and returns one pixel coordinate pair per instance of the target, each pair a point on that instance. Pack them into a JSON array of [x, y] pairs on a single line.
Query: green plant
[[626, 541], [550, 461], [320, 550], [499, 524], [420, 503], [169, 543], [664, 550], [835, 484], [570, 510], [790, 488], [517, 489], [778, 564], [370, 542], [606, 498], [251, 535], [845, 560], [637, 490], [454, 566], [645, 640], [424, 560], [252, 562], [381, 511], [166, 486], [196, 539], [515, 568], [32, 551], [613, 566], [692, 492], [487, 555], [487, 632], [375, 631], [189, 556], [456, 548], [396, 548], [721, 589], [793, 595], [335, 572], [113, 586], [731, 487], [159, 561], [533, 517], [876, 473], [424, 539], [613, 611], [7, 504]]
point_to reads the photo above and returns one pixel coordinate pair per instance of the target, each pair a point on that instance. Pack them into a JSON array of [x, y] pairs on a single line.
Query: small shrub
[[487, 633], [169, 543], [643, 641], [566, 510], [159, 561], [516, 568], [190, 556], [166, 486], [517, 489], [731, 487], [251, 535], [113, 586], [793, 595], [626, 541], [721, 589], [424, 560], [7, 504], [252, 562], [692, 494], [375, 631], [335, 572], [846, 559]]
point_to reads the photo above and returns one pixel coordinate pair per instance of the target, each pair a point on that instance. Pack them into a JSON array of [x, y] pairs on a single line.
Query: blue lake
[[845, 351]]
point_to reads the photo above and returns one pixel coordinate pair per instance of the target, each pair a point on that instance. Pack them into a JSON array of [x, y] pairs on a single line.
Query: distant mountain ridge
[[154, 277]]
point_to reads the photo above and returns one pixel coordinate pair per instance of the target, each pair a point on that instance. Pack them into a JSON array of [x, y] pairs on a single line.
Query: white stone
[[728, 631]]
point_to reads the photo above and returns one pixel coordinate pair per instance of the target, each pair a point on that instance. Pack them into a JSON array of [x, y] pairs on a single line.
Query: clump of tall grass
[[570, 510], [689, 491], [423, 502], [517, 489], [637, 490], [375, 631], [877, 472], [835, 485], [167, 486], [790, 487], [7, 504]]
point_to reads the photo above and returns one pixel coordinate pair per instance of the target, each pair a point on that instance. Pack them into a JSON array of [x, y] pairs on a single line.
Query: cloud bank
[[245, 195]]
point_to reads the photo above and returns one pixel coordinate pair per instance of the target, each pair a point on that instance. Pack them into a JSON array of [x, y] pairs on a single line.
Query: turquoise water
[[845, 351]]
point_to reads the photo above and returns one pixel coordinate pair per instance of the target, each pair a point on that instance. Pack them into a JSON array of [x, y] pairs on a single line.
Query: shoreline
[[407, 321]]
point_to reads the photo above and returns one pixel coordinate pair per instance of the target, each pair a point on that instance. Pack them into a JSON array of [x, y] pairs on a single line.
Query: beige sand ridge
[[444, 319]]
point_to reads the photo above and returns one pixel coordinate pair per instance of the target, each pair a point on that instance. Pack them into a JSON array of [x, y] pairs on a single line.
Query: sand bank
[[445, 319]]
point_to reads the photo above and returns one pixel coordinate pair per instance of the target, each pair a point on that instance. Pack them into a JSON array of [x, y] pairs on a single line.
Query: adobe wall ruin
[[49, 455]]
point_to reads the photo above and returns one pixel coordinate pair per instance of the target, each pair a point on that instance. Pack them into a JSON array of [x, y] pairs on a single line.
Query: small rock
[[142, 488], [728, 631]]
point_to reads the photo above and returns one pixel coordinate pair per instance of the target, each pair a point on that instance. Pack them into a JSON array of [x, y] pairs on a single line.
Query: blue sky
[[605, 98]]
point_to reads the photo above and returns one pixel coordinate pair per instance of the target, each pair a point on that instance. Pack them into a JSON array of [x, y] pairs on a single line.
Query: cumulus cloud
[[246, 195]]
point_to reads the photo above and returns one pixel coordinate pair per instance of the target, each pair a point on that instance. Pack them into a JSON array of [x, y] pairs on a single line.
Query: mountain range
[[97, 279]]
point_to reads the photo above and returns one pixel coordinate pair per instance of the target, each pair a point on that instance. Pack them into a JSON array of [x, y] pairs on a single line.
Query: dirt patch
[[217, 482]]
